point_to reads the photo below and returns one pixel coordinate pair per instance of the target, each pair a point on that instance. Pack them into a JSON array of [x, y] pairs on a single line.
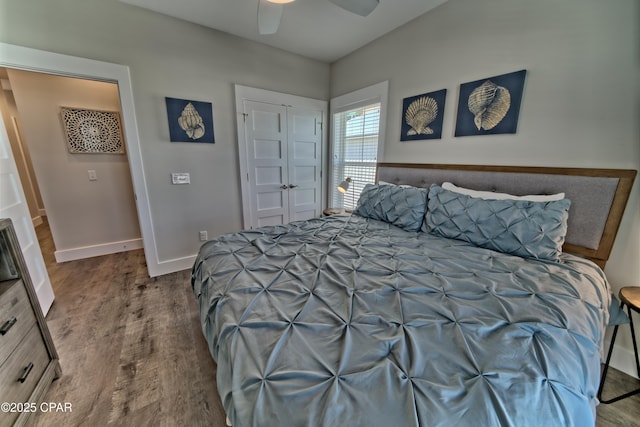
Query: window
[[356, 142]]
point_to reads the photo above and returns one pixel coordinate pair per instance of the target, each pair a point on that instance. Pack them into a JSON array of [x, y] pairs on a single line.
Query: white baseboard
[[622, 359], [97, 250]]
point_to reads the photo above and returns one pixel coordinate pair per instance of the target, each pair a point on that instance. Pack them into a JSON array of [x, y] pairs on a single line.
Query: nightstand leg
[[633, 339], [606, 364]]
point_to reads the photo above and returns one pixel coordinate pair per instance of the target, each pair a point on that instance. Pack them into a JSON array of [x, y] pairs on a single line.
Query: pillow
[[519, 227], [491, 195], [399, 185], [403, 207]]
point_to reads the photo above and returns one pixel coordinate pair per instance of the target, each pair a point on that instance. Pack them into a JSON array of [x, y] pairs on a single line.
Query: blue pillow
[[403, 207], [518, 227]]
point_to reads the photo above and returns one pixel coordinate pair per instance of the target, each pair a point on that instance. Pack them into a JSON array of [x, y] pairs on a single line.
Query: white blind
[[354, 152]]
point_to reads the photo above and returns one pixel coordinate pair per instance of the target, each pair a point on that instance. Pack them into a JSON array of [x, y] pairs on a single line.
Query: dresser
[[28, 359]]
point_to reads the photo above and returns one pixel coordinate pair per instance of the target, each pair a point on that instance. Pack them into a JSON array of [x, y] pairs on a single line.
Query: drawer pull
[[8, 325], [26, 373]]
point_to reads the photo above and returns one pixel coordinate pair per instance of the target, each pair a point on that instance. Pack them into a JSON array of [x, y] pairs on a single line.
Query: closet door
[[304, 138], [281, 144], [265, 129]]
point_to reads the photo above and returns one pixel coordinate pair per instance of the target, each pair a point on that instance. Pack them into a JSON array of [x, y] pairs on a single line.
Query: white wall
[[580, 105], [82, 213], [169, 57]]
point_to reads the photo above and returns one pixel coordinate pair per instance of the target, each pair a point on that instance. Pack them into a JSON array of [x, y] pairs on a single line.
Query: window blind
[[354, 152]]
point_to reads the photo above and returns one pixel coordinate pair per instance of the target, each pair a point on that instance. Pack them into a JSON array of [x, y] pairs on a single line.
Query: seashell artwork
[[191, 122], [489, 103], [422, 116]]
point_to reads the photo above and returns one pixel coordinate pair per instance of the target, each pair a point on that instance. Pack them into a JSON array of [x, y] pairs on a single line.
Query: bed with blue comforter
[[405, 316]]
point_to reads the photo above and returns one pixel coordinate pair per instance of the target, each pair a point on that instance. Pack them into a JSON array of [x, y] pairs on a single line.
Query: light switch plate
[[180, 178]]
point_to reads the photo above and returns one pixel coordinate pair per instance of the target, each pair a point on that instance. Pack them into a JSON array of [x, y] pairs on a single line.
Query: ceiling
[[316, 29]]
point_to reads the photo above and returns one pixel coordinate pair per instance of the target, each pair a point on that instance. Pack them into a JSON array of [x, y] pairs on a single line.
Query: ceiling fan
[[270, 11]]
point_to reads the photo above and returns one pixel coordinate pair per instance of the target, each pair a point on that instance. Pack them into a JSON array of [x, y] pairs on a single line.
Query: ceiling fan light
[[281, 1]]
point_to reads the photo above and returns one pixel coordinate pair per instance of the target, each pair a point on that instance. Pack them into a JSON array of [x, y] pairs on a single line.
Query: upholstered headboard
[[598, 196]]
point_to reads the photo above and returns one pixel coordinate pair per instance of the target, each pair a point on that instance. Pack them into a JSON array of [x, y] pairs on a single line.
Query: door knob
[[284, 187], [292, 185]]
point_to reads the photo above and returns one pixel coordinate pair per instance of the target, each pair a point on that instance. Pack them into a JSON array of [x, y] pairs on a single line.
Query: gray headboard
[[598, 196]]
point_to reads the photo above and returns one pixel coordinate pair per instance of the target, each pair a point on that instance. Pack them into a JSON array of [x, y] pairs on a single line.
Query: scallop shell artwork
[[420, 114], [191, 122], [489, 103]]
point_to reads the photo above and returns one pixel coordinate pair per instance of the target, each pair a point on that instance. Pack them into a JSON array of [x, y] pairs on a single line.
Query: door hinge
[[247, 176], [244, 116]]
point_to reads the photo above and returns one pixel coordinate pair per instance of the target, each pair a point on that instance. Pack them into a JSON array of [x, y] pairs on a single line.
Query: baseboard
[[97, 250], [622, 359]]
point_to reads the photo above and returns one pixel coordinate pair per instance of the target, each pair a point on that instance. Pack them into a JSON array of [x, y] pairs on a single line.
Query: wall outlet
[[203, 236], [92, 175]]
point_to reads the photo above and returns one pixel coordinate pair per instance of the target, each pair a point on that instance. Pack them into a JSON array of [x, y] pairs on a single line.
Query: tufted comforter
[[346, 321]]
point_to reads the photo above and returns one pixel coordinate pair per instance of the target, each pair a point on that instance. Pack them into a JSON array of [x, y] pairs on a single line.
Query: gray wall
[[169, 57], [581, 100], [580, 104]]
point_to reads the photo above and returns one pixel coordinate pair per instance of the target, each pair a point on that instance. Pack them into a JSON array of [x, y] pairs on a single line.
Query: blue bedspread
[[345, 321]]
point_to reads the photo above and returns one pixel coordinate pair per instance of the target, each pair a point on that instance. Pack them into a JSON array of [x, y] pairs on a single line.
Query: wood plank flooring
[[131, 347], [133, 354]]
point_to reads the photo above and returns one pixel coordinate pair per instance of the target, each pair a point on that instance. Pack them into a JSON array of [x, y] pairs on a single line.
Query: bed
[[433, 304]]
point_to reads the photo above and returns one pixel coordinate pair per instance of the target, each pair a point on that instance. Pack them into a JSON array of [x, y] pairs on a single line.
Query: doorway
[[88, 196], [18, 57]]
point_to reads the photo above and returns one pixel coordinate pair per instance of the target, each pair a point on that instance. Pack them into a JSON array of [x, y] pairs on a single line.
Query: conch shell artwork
[[191, 122], [420, 114], [489, 103]]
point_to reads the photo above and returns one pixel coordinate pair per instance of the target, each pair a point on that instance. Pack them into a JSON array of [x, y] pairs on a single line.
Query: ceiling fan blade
[[359, 7], [269, 15]]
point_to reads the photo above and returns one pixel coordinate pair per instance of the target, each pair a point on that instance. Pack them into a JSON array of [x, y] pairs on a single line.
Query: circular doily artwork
[[92, 131]]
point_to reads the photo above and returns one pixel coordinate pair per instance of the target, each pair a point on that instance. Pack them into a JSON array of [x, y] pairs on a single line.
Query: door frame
[[270, 97], [28, 59]]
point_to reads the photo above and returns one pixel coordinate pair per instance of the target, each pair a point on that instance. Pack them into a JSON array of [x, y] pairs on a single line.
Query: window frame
[[376, 93]]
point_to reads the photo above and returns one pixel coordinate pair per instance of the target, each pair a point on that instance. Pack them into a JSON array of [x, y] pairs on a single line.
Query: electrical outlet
[[203, 236], [92, 175]]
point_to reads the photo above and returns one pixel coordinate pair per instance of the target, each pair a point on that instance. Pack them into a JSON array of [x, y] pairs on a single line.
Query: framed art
[[422, 116], [92, 131], [490, 106], [190, 121]]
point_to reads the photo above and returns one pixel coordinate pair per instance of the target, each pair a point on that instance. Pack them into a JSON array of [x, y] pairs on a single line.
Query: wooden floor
[[131, 347], [133, 354]]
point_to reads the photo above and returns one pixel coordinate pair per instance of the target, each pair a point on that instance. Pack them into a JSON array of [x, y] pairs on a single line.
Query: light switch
[[92, 175], [180, 178]]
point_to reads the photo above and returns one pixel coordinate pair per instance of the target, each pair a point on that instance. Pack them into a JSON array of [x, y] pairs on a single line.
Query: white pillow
[[490, 195], [398, 185]]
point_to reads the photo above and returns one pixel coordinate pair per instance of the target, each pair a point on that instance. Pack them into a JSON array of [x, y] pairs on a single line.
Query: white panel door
[[13, 205], [305, 163], [267, 158], [284, 162]]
